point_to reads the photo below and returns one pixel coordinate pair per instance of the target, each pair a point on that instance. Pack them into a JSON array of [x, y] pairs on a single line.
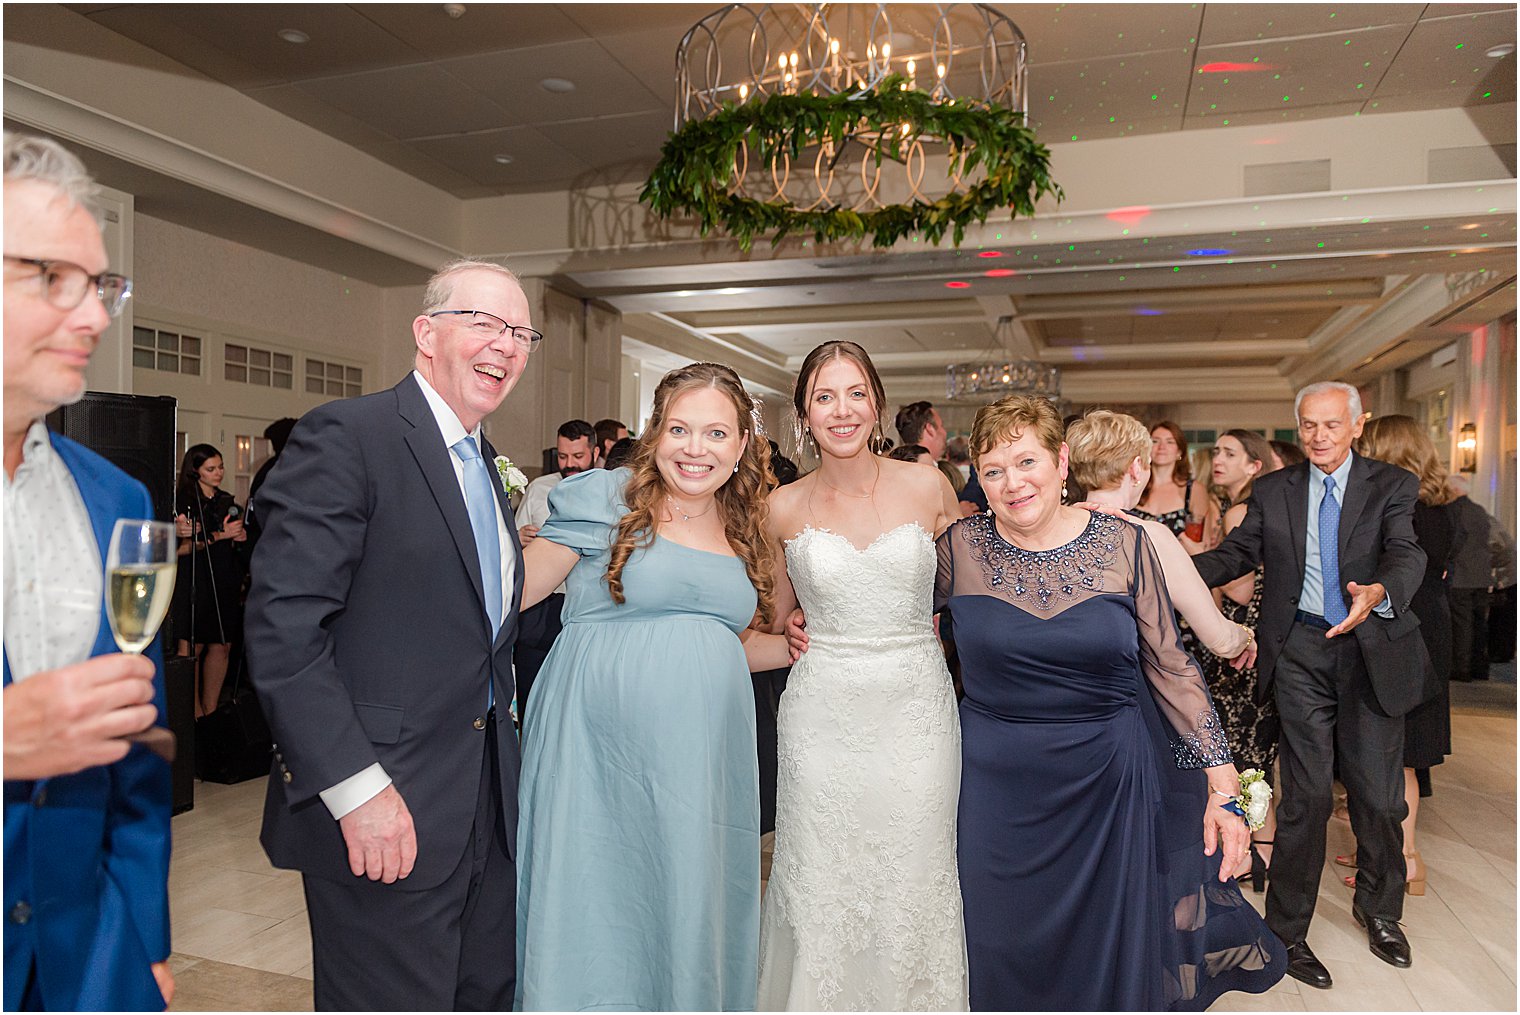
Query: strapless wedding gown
[[863, 908]]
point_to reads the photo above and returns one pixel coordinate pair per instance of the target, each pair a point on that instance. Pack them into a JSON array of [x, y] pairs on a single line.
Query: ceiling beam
[[1335, 353], [666, 333], [1288, 296], [1252, 384], [834, 315]]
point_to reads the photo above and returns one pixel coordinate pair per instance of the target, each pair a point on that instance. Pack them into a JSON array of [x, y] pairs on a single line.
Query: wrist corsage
[[513, 481], [1251, 803]]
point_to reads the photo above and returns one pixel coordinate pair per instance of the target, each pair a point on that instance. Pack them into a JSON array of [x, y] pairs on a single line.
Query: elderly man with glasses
[[380, 629], [86, 809]]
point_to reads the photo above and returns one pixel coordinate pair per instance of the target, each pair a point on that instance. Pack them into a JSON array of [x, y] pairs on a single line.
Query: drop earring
[[736, 468], [1063, 490]]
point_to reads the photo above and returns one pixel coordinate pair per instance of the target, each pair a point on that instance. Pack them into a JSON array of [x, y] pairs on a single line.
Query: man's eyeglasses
[[65, 284], [490, 325]]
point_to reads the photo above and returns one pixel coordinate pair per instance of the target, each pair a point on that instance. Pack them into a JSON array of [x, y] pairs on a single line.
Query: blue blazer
[[87, 855]]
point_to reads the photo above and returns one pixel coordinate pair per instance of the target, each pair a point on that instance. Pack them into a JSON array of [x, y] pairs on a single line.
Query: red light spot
[[999, 273], [957, 285], [1226, 67], [990, 253], [1128, 216]]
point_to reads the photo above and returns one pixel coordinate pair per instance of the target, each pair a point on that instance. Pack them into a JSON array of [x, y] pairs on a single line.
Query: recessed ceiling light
[[1502, 50], [558, 85], [293, 35], [503, 159], [454, 11]]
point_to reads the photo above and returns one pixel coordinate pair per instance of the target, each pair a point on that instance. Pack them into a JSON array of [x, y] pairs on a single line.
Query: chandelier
[[850, 120], [994, 376]]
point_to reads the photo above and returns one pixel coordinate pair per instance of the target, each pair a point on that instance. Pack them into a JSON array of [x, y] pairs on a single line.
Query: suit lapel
[[516, 547], [1296, 490], [433, 458], [1358, 492]]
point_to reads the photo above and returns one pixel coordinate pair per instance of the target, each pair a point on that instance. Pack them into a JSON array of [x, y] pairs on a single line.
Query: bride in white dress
[[863, 907]]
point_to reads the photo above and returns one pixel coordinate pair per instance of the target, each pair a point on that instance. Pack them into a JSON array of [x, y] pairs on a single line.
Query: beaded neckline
[[1045, 578]]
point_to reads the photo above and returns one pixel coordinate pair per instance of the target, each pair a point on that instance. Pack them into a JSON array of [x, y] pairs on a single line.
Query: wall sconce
[[1467, 448]]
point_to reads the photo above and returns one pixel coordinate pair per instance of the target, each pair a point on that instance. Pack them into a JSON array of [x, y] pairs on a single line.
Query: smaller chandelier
[[998, 378], [996, 374]]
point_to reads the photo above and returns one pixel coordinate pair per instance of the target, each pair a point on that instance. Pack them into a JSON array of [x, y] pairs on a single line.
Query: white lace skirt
[[863, 908]]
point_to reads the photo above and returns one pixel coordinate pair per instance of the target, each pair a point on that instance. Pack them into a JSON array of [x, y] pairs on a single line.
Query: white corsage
[[513, 481], [1255, 796]]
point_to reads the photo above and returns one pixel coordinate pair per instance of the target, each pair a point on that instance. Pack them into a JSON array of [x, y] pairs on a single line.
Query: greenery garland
[[696, 164]]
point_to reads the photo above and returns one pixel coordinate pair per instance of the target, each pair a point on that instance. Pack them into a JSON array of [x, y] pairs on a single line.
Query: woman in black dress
[[207, 592], [1239, 458], [1399, 440]]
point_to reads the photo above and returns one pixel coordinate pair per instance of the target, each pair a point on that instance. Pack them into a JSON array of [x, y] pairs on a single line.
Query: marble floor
[[241, 941]]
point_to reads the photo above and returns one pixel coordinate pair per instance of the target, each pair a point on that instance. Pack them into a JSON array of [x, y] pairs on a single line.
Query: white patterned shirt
[[54, 577]]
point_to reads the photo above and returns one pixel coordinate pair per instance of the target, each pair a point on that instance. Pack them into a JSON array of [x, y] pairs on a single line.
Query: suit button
[[286, 776], [21, 912], [480, 722]]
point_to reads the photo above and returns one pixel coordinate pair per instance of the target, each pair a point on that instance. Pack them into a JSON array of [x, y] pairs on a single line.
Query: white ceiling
[[1233, 311], [440, 97]]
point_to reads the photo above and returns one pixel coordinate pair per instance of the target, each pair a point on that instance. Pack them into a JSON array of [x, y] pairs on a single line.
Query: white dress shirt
[[535, 506], [363, 786], [54, 573]]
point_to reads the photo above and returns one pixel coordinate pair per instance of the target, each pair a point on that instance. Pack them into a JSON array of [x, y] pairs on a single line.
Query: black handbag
[[233, 743]]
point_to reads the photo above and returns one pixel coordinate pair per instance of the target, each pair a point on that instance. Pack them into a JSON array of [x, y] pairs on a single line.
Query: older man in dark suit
[[1343, 655], [380, 630]]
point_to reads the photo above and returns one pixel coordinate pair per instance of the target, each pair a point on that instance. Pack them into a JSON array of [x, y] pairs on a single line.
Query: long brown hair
[[1182, 472], [1398, 440], [741, 500], [1259, 450], [815, 360]]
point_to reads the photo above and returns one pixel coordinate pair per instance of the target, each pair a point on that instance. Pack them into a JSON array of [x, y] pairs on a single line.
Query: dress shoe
[[1385, 938], [1304, 967]]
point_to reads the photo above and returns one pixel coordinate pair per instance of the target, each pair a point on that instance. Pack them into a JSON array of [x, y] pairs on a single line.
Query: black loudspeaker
[[133, 432], [179, 681]]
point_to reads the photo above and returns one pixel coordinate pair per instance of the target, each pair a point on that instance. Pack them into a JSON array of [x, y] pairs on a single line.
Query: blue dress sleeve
[[584, 511]]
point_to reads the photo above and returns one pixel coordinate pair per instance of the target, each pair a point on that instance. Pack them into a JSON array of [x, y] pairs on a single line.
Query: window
[[1195, 438], [333, 379], [248, 364], [250, 453], [162, 350], [1289, 436]]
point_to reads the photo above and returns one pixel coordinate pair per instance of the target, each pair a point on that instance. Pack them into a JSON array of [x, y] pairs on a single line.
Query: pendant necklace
[[682, 511]]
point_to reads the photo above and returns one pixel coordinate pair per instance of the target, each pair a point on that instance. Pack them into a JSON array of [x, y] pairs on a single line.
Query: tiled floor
[[241, 940]]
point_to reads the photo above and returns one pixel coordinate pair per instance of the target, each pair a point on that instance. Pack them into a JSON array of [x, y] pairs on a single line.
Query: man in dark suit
[[1343, 654], [86, 809], [380, 628]]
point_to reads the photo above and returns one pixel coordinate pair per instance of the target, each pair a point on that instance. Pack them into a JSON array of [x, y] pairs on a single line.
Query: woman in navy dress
[[1094, 853]]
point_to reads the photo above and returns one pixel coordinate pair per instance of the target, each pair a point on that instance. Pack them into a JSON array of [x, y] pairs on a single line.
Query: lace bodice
[[1109, 558], [849, 592]]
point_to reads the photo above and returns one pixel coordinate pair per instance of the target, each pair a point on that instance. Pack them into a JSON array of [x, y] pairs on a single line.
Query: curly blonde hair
[[1398, 440], [1102, 444], [741, 501]]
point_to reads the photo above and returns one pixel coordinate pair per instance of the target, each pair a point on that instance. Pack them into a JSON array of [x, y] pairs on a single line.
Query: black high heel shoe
[[1260, 872]]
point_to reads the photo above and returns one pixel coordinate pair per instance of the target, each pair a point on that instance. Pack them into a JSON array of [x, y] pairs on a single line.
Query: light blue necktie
[[480, 499], [1330, 554]]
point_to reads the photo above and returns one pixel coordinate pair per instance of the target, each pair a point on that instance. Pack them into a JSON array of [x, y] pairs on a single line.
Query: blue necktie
[[480, 500], [1330, 554]]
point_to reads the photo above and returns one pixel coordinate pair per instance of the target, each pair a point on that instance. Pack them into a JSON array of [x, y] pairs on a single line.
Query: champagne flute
[[140, 566]]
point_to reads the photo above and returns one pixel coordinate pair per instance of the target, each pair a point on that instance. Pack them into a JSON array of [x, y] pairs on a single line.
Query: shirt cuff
[[1385, 608], [356, 790]]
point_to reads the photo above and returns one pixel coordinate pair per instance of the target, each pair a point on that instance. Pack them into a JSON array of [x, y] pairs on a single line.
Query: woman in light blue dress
[[638, 833]]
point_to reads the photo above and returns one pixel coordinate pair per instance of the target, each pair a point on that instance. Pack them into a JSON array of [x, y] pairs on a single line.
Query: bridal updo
[[741, 499]]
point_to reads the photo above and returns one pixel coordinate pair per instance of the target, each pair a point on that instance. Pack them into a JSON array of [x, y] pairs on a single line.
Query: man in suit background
[[380, 628], [1336, 535], [86, 811]]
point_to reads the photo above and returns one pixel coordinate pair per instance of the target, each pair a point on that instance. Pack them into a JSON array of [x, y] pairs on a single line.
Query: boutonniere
[[513, 481]]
